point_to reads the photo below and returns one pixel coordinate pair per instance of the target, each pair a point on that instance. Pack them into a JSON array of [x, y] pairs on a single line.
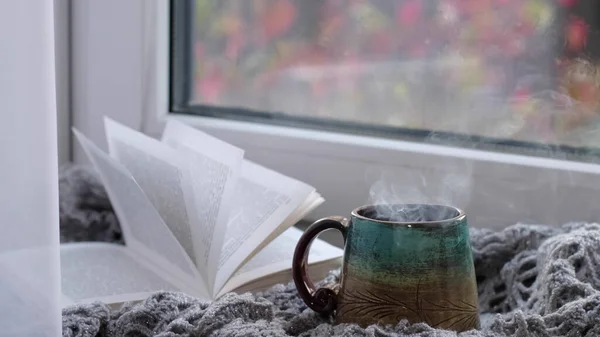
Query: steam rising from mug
[[400, 193], [410, 213]]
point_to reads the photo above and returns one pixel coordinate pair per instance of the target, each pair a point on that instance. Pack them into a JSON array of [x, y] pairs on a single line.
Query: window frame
[[121, 69]]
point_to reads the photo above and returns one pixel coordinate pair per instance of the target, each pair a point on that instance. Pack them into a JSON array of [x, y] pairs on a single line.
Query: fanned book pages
[[196, 217]]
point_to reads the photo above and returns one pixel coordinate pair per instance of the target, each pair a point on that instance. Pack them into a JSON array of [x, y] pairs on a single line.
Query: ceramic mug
[[405, 261]]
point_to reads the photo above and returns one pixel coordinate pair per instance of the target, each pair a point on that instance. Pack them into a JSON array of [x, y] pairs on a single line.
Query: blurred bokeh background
[[524, 70]]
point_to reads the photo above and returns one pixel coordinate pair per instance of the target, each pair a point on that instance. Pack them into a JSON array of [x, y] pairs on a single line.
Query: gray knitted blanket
[[533, 281]]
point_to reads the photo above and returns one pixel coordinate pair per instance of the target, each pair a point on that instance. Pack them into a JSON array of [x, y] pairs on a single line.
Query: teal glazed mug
[[404, 261]]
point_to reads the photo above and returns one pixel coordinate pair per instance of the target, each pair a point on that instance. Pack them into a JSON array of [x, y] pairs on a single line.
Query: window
[[520, 74], [488, 105]]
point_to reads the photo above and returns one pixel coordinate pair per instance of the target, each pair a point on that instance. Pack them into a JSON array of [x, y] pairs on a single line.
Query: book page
[[313, 201], [143, 228], [277, 256], [214, 167], [316, 272], [109, 273], [159, 171], [262, 202]]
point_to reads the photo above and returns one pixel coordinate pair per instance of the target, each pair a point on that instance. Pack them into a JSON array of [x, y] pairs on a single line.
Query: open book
[[196, 217]]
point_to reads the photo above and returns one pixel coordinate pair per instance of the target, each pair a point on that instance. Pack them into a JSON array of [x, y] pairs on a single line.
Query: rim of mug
[[438, 223]]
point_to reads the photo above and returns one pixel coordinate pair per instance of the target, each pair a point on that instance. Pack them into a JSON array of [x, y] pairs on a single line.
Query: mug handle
[[322, 300]]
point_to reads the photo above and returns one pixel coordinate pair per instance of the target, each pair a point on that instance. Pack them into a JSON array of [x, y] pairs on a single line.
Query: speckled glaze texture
[[423, 273]]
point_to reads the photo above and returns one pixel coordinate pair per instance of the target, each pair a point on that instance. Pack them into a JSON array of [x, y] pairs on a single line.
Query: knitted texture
[[85, 211], [533, 281]]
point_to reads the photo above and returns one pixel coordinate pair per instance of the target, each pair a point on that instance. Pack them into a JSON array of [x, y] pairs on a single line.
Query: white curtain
[[29, 240]]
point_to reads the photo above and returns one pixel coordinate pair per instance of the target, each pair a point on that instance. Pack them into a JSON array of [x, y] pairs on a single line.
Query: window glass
[[517, 72]]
